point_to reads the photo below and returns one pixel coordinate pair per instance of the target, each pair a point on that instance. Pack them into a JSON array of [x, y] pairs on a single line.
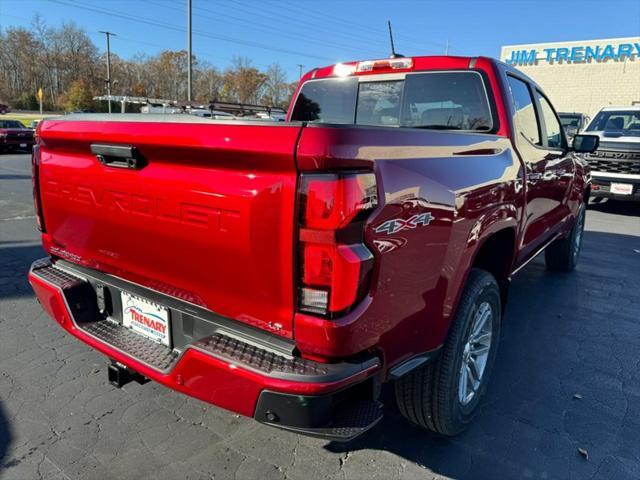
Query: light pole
[[300, 66], [108, 34], [189, 66]]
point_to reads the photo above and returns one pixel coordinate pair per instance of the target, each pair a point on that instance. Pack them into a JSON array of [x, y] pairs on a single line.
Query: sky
[[323, 32]]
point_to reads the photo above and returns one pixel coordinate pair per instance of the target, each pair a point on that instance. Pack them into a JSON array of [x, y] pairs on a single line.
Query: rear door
[[543, 163], [560, 167], [206, 217]]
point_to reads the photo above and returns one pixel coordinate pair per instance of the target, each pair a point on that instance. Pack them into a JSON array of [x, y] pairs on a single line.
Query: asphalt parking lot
[[567, 378]]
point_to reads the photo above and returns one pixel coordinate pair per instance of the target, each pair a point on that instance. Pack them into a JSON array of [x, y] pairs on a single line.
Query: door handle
[[120, 156]]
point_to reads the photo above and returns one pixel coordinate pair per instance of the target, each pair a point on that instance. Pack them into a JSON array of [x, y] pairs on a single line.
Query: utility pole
[[108, 34], [300, 66], [189, 66], [446, 47]]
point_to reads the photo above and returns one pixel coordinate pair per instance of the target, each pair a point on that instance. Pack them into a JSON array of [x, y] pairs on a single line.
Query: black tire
[[429, 396], [562, 255]]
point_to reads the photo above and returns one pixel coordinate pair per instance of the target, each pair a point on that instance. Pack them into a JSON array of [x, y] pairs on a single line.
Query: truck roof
[[390, 65], [632, 108]]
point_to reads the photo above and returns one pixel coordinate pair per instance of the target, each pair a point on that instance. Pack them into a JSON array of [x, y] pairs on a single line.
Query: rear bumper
[[224, 368], [601, 185]]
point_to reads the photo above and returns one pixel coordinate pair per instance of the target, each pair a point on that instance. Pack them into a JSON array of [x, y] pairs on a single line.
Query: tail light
[[335, 265], [385, 65], [369, 66], [35, 181]]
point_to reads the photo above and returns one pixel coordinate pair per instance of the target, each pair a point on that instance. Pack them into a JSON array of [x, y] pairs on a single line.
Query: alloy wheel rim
[[475, 354]]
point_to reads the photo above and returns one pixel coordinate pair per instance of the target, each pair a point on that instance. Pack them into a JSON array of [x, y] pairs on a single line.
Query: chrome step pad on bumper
[[220, 343], [147, 351]]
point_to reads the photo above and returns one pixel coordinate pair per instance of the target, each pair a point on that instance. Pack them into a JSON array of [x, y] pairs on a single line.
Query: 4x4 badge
[[392, 226]]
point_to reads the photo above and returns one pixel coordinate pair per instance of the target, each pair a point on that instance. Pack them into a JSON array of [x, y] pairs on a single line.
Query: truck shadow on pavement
[[15, 259], [13, 176], [566, 378], [5, 436], [616, 207]]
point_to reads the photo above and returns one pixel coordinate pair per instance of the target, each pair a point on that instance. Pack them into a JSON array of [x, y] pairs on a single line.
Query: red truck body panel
[[446, 172], [209, 219]]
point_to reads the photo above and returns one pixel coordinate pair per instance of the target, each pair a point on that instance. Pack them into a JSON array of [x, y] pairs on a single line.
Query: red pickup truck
[[284, 271]]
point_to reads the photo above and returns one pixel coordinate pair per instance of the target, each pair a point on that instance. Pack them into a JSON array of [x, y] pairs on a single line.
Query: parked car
[[284, 270], [4, 109], [615, 164], [573, 123], [14, 135]]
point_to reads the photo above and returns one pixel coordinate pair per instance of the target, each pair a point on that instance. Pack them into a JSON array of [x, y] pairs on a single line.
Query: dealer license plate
[[146, 318], [622, 188]]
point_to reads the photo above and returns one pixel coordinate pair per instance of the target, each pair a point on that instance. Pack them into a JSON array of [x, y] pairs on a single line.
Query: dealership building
[[582, 76]]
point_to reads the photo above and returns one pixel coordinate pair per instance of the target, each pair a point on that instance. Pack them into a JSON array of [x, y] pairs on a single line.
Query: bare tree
[[244, 82], [276, 88], [208, 83]]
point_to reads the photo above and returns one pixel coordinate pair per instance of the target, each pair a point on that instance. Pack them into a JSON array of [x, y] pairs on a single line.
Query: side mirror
[[586, 143]]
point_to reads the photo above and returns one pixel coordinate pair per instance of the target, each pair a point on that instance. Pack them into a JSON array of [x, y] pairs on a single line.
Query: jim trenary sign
[[578, 54]]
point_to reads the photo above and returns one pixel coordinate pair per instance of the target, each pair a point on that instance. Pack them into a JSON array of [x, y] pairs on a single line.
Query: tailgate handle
[[121, 156]]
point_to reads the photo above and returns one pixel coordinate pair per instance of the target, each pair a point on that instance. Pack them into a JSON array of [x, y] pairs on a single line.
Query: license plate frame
[[621, 188], [146, 318]]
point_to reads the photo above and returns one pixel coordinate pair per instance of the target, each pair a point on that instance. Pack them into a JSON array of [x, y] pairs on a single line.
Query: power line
[[372, 35], [259, 26], [305, 10], [297, 22], [155, 23]]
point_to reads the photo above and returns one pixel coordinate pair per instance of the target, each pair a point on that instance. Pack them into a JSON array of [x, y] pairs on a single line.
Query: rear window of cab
[[429, 100]]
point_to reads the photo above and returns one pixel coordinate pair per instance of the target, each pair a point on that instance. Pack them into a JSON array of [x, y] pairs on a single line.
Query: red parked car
[[14, 135], [284, 271]]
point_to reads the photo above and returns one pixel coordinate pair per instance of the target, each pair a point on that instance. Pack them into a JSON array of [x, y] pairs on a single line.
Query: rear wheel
[[562, 255], [444, 396]]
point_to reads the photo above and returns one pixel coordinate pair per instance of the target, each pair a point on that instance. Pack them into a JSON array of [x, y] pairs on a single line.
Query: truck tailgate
[[208, 218]]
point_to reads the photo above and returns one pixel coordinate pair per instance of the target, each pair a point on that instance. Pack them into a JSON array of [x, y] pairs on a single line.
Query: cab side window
[[553, 127], [525, 113]]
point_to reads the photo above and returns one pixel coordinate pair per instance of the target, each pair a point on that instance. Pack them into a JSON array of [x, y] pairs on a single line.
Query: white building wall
[[584, 86]]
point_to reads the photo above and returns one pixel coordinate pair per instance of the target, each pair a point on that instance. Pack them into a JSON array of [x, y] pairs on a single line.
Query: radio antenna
[[393, 48]]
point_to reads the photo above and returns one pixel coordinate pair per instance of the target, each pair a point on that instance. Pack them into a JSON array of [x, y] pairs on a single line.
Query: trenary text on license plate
[[146, 318], [622, 188]]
